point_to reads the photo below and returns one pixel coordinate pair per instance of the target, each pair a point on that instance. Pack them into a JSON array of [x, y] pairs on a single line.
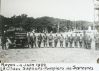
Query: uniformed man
[[8, 43], [89, 42], [66, 41], [61, 40], [55, 40], [28, 38], [39, 40], [71, 41], [81, 41], [97, 42], [76, 41], [85, 40], [3, 42], [45, 38], [34, 40], [50, 39]]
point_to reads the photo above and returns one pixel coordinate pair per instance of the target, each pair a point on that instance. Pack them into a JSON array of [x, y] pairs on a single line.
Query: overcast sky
[[64, 9]]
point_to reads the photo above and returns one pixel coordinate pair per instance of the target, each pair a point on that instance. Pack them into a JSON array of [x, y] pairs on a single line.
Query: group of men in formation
[[58, 40]]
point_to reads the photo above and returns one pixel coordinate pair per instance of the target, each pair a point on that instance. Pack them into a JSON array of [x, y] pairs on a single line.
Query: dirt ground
[[49, 55]]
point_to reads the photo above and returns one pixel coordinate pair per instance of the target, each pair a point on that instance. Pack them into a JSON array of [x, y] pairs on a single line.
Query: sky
[[64, 9]]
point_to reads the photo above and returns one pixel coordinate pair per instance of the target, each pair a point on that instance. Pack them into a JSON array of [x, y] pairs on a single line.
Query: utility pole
[[58, 27], [0, 7], [96, 14], [96, 22]]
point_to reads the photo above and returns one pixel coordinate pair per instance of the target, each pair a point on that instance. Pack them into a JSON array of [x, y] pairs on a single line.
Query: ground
[[50, 55]]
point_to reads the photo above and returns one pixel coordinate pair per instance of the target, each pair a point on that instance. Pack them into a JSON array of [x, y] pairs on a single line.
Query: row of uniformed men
[[70, 41]]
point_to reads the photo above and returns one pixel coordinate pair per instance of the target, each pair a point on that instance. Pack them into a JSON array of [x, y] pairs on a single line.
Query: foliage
[[41, 24]]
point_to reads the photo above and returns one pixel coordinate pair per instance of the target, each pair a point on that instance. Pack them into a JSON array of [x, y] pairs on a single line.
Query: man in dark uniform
[[85, 40], [61, 40], [66, 41], [97, 42], [45, 39], [50, 40], [71, 41], [29, 37], [76, 41], [3, 42], [89, 42], [39, 40], [81, 41], [55, 40], [34, 40]]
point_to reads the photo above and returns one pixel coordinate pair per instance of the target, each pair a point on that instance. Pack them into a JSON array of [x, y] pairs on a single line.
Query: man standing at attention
[[50, 38], [55, 40], [61, 40], [45, 39], [39, 40]]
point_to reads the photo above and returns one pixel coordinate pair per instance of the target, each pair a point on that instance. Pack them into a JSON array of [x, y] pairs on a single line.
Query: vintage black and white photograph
[[49, 31]]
